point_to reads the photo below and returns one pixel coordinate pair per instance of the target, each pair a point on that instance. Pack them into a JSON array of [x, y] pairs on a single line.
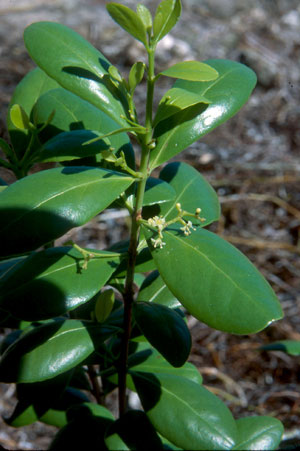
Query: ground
[[253, 162]]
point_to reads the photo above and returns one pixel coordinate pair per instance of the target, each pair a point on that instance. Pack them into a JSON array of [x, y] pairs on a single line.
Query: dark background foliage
[[253, 162]]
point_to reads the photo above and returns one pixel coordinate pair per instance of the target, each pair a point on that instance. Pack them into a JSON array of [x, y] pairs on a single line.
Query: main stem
[[134, 235]]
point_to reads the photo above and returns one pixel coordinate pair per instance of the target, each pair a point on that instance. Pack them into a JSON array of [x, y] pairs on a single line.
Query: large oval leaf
[[186, 413], [67, 146], [76, 65], [148, 360], [157, 191], [227, 95], [45, 205], [258, 433], [47, 350], [74, 113], [192, 191], [165, 330], [51, 282], [215, 282], [30, 88]]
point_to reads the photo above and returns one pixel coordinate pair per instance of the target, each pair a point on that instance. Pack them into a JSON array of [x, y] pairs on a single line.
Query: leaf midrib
[[243, 444], [217, 269], [191, 409], [61, 193]]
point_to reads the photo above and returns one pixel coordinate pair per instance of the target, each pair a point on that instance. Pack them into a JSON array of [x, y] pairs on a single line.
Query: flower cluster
[[159, 222]]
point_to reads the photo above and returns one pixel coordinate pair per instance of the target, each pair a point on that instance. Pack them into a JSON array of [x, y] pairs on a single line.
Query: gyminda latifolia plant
[[88, 321]]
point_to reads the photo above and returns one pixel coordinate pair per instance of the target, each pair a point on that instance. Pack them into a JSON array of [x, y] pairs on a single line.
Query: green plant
[[78, 315]]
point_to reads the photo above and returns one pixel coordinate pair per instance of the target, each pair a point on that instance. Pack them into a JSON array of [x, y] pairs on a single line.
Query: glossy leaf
[[175, 100], [166, 17], [148, 360], [154, 289], [74, 113], [45, 205], [192, 71], [165, 330], [128, 20], [52, 282], [215, 282], [77, 66], [192, 191], [186, 413], [47, 350], [30, 88], [258, 433], [68, 146], [227, 94], [291, 347], [157, 191]]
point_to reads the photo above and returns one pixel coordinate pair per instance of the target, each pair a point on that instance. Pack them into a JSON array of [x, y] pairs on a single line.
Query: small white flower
[[158, 221], [158, 242], [187, 228]]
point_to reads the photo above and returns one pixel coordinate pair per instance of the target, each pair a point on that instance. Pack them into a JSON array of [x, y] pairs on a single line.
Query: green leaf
[[45, 205], [157, 191], [128, 20], [45, 401], [175, 100], [76, 65], [166, 17], [185, 413], [30, 88], [148, 360], [227, 94], [136, 75], [215, 282], [154, 289], [47, 350], [291, 347], [145, 16], [19, 117], [52, 282], [104, 305], [192, 191], [67, 146], [165, 330], [258, 433], [74, 113], [192, 71]]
